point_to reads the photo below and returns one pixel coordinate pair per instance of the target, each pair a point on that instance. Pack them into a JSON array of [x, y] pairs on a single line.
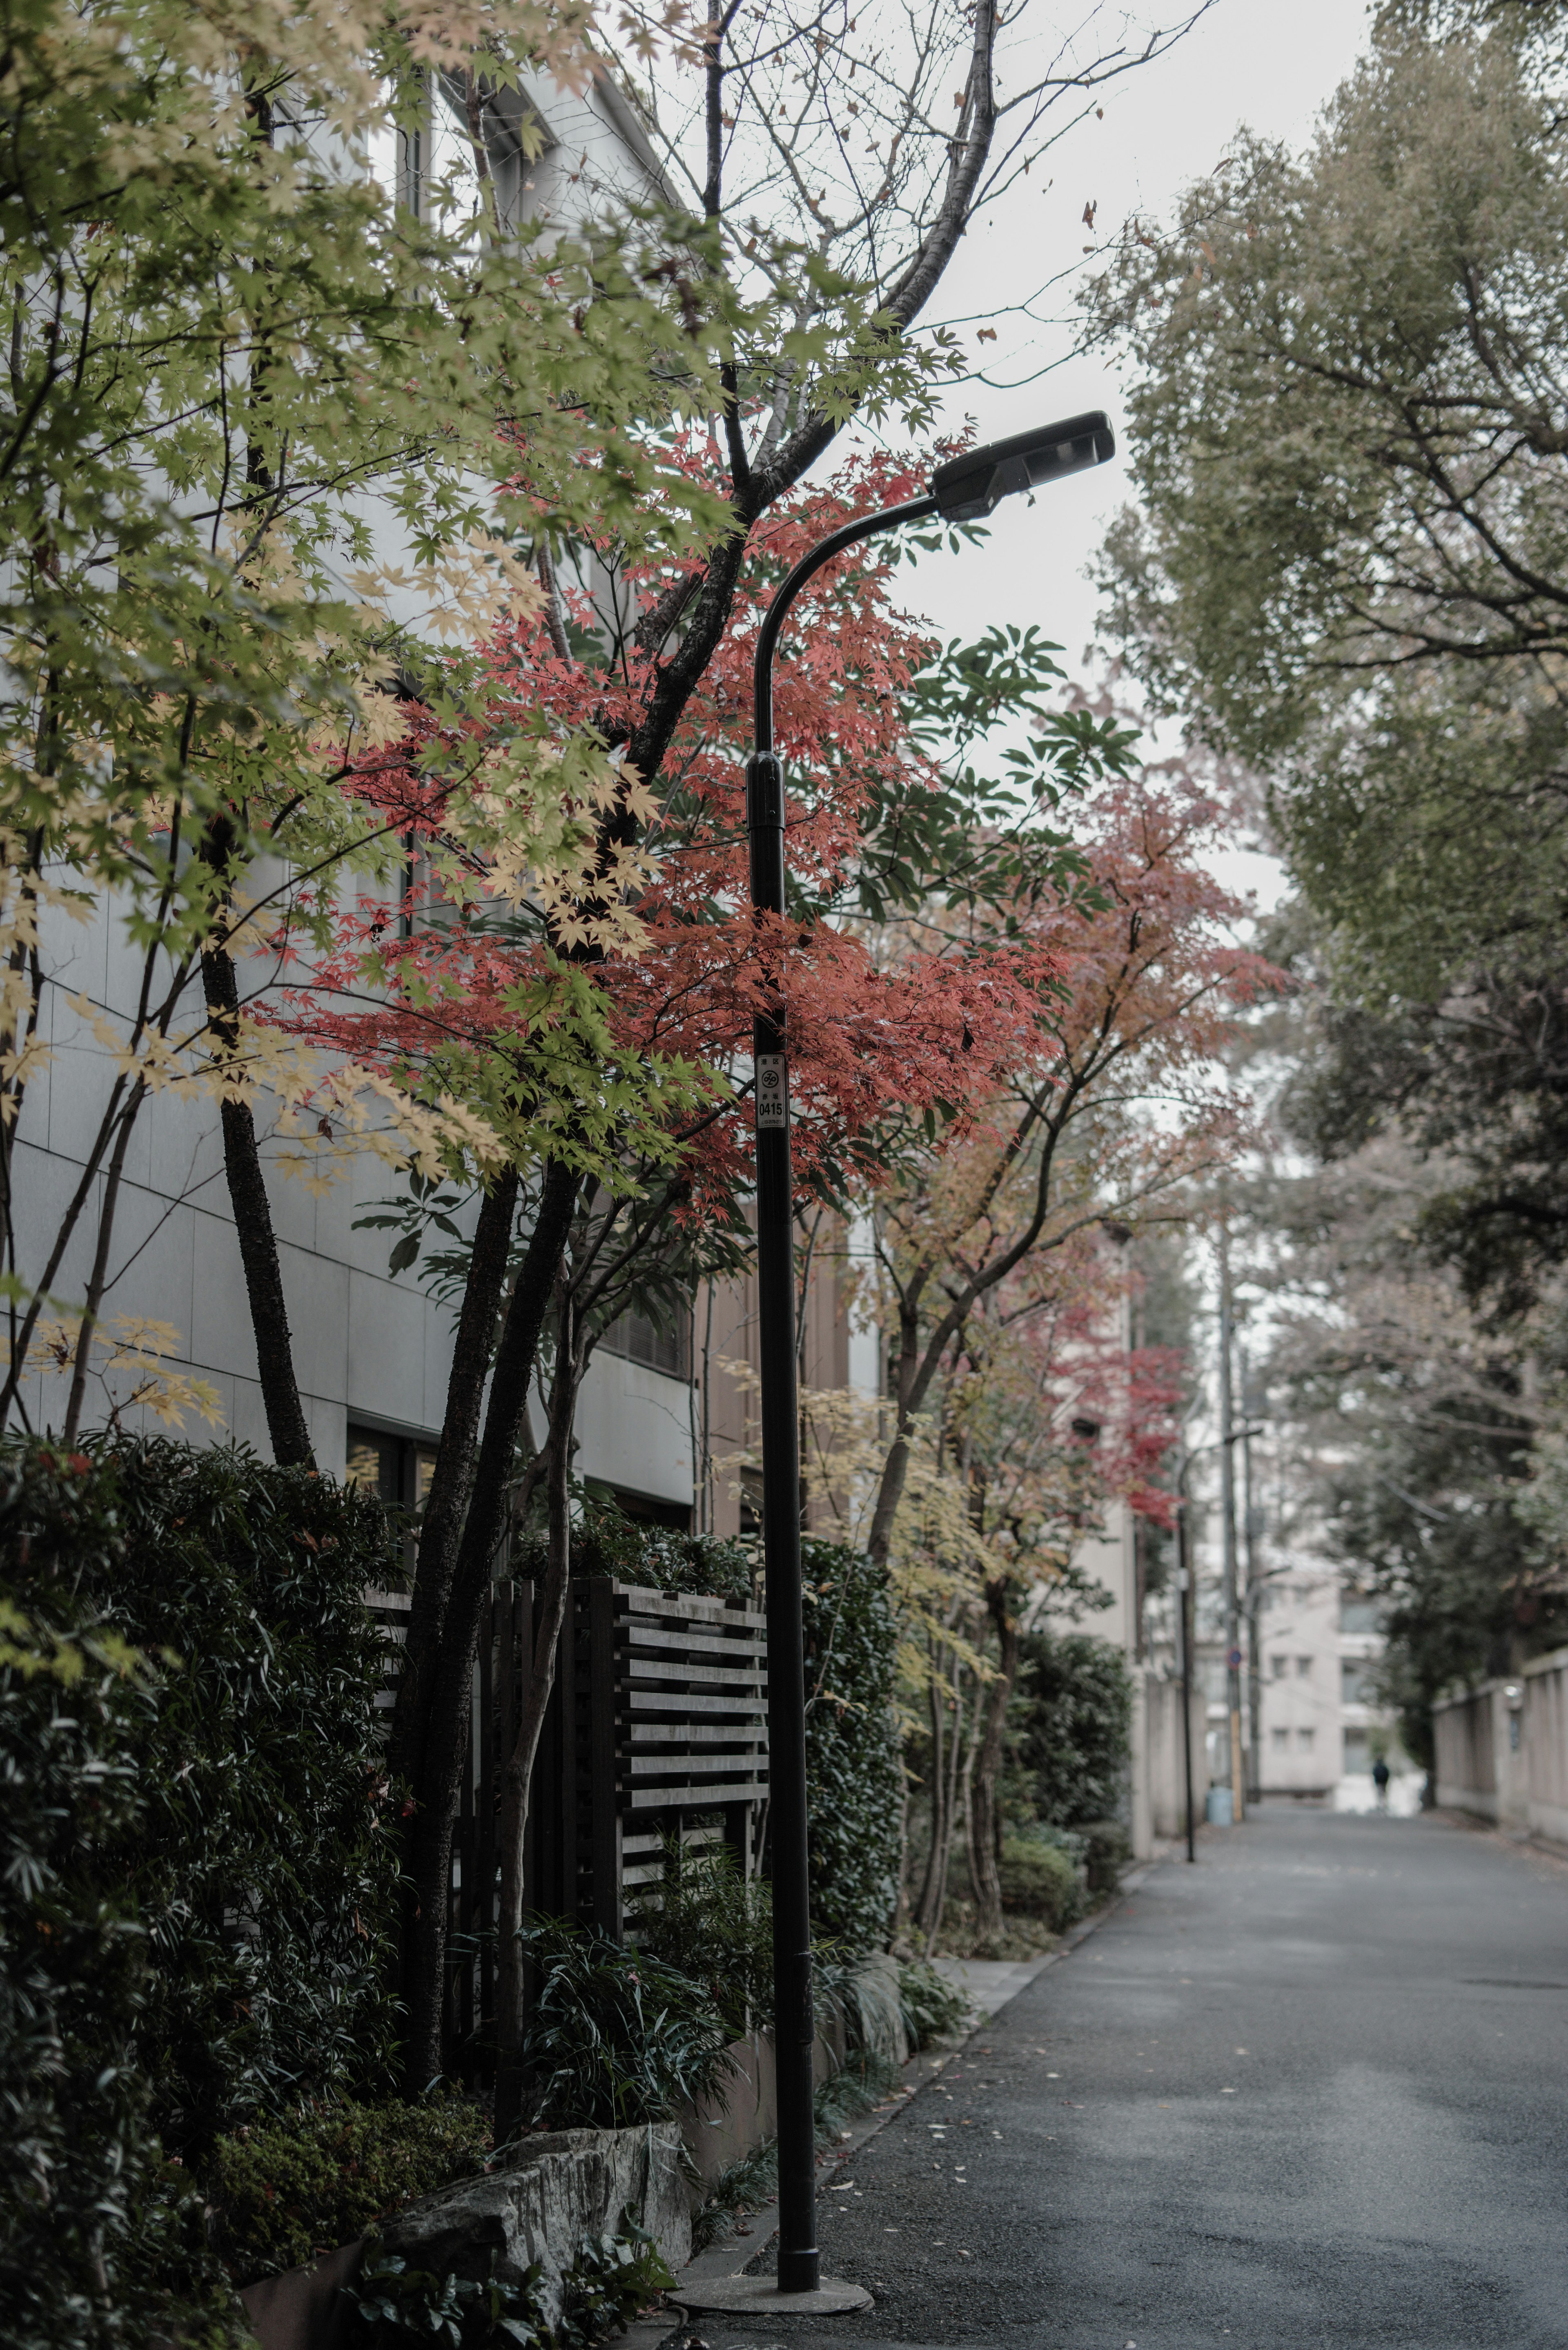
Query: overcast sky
[[1269, 63]]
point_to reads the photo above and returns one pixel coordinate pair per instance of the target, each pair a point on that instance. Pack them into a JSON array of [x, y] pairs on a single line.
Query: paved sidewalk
[[991, 1982], [1312, 2092]]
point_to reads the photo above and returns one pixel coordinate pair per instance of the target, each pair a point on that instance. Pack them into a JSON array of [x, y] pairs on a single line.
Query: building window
[[1304, 1669], [1281, 1666], [1306, 1740], [1355, 1681], [1358, 1752], [637, 1340], [397, 1467], [1358, 1613], [1280, 1740], [647, 1509]]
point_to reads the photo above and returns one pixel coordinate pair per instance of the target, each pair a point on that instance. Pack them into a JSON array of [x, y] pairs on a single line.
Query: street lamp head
[[969, 487]]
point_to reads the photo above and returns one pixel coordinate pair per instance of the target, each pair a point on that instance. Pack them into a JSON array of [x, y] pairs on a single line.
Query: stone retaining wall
[[564, 2187]]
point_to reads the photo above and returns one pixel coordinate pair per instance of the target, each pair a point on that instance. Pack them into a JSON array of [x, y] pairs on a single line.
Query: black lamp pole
[[964, 490], [1185, 1598]]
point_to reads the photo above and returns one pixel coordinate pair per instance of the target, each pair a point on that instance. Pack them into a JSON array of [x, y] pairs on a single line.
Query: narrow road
[[1313, 2091]]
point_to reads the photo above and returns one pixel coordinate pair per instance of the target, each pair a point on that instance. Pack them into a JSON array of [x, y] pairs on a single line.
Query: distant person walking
[[1381, 1774]]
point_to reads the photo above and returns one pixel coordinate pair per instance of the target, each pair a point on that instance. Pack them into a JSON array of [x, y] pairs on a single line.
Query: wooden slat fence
[[656, 1725]]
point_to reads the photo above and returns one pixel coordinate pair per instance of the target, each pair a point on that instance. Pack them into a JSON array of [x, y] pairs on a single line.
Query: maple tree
[[489, 997], [1042, 1417], [1121, 1100], [815, 343], [1053, 1417]]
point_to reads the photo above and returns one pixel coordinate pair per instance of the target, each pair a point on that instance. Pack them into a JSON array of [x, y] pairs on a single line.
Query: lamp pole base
[[761, 2293]]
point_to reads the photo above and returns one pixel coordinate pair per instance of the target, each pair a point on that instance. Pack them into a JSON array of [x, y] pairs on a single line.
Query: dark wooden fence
[[657, 1726]]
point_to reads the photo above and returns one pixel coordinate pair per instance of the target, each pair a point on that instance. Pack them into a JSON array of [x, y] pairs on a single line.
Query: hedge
[[196, 1874], [854, 1771], [1070, 1727]]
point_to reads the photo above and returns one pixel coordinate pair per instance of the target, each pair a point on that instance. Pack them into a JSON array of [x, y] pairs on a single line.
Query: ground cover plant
[[613, 2036], [285, 2190]]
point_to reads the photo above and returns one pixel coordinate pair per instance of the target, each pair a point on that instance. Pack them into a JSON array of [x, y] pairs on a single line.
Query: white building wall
[[1298, 1626], [1157, 1790], [370, 1347]]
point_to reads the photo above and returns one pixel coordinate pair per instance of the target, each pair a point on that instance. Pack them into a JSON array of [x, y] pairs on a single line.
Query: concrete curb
[[728, 2260], [1521, 1840]]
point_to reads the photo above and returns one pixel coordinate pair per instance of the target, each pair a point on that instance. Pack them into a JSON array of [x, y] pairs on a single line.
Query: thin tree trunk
[[901, 1907], [435, 1786], [519, 1779], [286, 1422], [97, 1277], [984, 1824], [925, 1914], [963, 1789], [452, 1480], [949, 1810]]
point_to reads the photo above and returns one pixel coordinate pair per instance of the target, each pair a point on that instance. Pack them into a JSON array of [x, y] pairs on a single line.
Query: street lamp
[[964, 490]]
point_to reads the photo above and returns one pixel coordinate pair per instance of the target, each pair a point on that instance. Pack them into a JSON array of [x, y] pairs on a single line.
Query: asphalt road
[[1313, 2091]]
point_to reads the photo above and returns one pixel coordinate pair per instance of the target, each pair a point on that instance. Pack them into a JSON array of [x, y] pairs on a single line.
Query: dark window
[[1357, 1613], [397, 1467], [647, 1510], [634, 1336]]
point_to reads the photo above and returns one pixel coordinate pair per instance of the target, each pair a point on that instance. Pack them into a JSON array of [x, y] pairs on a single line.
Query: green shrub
[[1070, 1726], [612, 2279], [388, 2303], [100, 2240], [702, 1918], [605, 1541], [282, 2193], [1108, 1850], [194, 1882], [933, 2007], [264, 1855], [613, 2036], [1042, 1880], [258, 1864], [854, 1770]]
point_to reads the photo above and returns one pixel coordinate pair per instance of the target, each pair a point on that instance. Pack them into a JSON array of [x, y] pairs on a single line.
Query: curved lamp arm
[[848, 535]]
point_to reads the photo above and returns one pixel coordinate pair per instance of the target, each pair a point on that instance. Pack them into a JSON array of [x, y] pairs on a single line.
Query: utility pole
[[1184, 1610], [1254, 1599], [1227, 1529]]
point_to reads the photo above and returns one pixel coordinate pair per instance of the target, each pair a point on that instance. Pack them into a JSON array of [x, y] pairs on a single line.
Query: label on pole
[[1233, 1658], [772, 1091]]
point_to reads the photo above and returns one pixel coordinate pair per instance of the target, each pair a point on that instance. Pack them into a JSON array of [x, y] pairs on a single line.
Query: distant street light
[[964, 490]]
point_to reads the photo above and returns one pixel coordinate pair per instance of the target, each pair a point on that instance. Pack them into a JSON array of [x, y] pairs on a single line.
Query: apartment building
[[1320, 1640], [372, 1349], [1301, 1680]]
